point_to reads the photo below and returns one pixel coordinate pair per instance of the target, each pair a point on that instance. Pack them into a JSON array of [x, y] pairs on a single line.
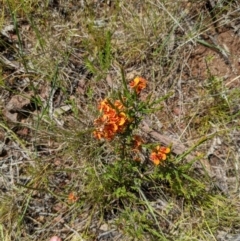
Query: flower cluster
[[159, 154], [138, 84], [112, 121], [115, 117]]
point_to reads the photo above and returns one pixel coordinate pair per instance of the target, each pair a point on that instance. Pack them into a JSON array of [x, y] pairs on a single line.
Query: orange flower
[[159, 154], [111, 122], [98, 134], [100, 121], [137, 159], [118, 104], [110, 130], [72, 198], [104, 106], [138, 84], [122, 118], [137, 142]]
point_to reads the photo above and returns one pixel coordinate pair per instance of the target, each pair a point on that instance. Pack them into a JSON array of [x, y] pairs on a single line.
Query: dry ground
[[58, 59]]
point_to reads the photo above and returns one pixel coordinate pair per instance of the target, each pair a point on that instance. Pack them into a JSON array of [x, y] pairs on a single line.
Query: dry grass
[[57, 60]]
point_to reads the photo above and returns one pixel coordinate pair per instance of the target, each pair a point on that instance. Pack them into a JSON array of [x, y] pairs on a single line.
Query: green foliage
[[219, 102], [217, 90], [129, 218], [178, 180], [221, 207], [102, 56], [120, 178], [105, 54]]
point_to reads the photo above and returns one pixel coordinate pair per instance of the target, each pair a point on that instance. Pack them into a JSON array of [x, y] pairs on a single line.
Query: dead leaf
[[17, 102], [15, 105], [23, 132], [6, 31], [11, 116], [61, 110]]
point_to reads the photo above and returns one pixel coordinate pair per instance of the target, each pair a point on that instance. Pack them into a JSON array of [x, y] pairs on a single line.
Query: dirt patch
[[221, 58]]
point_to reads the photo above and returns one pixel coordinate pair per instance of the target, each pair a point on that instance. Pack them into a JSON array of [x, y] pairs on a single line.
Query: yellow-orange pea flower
[[137, 142], [72, 197], [109, 131], [138, 84], [159, 154], [98, 134], [122, 119], [104, 106], [118, 104]]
